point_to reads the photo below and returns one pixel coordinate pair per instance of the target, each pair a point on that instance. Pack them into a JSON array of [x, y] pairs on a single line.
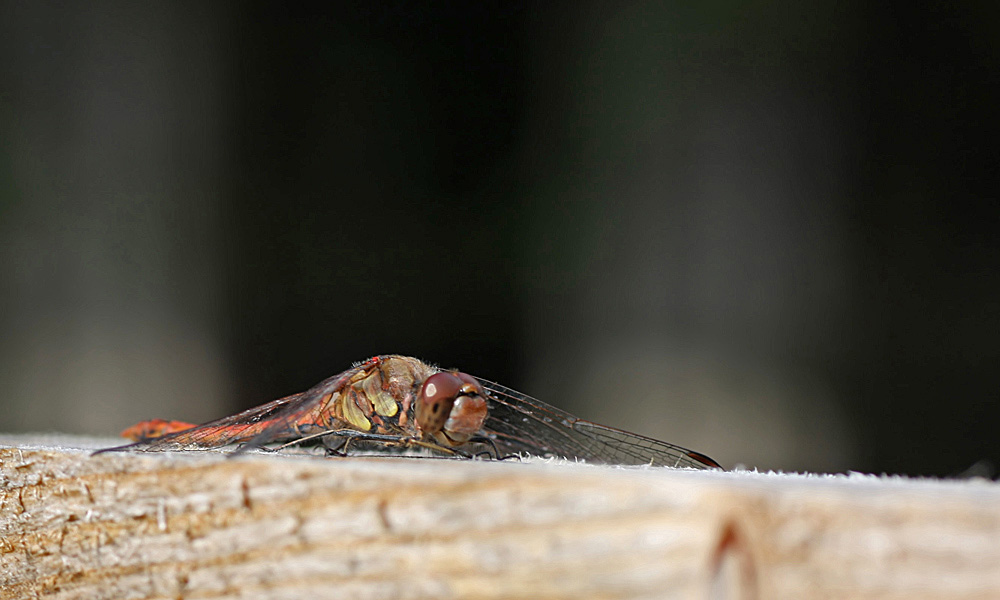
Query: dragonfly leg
[[492, 452], [338, 442], [516, 457], [344, 449], [336, 445], [417, 442], [409, 442], [324, 436]]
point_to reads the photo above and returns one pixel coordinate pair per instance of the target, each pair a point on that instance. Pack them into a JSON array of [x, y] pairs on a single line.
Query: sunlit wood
[[200, 525]]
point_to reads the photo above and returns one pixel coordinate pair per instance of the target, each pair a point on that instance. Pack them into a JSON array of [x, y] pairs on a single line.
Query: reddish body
[[402, 401]]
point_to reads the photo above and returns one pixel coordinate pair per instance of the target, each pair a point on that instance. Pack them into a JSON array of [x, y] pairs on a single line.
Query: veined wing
[[520, 423], [216, 434], [283, 419]]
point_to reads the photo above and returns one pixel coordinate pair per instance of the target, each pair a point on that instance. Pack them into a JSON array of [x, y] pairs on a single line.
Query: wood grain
[[200, 525]]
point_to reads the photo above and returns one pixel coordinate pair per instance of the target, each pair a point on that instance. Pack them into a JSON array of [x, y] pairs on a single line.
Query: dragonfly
[[400, 402]]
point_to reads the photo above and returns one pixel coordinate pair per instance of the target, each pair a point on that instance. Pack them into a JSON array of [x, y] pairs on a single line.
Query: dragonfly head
[[451, 407]]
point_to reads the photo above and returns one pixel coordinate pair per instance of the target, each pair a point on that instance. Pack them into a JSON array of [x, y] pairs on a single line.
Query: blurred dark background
[[765, 231]]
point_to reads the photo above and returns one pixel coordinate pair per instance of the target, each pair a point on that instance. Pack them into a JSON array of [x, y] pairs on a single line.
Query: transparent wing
[[518, 423], [277, 421], [221, 432]]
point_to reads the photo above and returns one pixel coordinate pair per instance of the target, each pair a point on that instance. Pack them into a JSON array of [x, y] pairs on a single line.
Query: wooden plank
[[199, 525]]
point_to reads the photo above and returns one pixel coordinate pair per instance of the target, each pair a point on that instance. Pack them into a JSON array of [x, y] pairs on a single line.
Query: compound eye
[[469, 412], [470, 387], [437, 396]]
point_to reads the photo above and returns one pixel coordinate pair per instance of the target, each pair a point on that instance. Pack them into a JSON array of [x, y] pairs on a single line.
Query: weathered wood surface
[[202, 526]]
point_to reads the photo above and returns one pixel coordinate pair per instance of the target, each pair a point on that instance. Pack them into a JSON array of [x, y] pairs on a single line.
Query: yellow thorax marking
[[352, 412], [385, 405]]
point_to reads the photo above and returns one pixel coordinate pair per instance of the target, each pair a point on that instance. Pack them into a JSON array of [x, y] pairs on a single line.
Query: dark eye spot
[[435, 401]]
